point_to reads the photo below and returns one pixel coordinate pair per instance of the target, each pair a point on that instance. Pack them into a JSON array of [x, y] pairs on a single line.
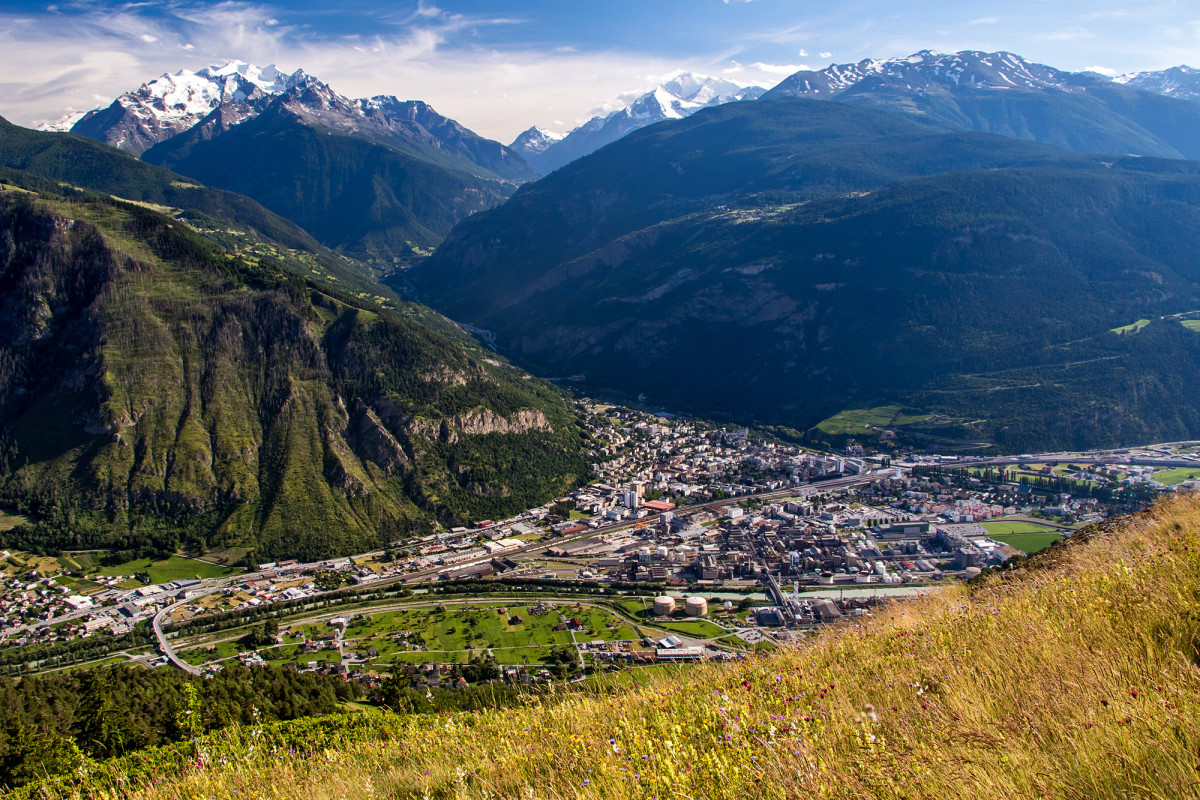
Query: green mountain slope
[[376, 202], [764, 152], [1104, 119], [81, 162], [155, 387], [232, 220], [985, 297]]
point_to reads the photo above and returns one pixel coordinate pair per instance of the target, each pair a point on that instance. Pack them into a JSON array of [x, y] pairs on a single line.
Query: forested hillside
[[380, 202], [812, 270], [155, 388], [235, 221]]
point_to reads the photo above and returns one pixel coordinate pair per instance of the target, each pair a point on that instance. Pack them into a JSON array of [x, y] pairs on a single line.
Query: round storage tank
[[971, 572], [696, 607], [664, 606]]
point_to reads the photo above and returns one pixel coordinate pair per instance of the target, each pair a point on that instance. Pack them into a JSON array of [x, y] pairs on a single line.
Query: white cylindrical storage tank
[[971, 572], [827, 578], [880, 569], [696, 607], [663, 551], [728, 606], [664, 606], [863, 577]]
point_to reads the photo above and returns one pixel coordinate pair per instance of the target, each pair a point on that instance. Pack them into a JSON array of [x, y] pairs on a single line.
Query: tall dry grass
[[1074, 677]]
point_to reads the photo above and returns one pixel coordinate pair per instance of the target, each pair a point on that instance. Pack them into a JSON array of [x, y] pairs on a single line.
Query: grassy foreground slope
[[1074, 675]]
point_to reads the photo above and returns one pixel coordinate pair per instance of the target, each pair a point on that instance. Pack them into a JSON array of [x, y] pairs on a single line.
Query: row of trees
[[47, 720]]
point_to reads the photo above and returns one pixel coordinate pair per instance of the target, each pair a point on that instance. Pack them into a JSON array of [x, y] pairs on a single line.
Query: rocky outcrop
[[479, 423], [373, 441]]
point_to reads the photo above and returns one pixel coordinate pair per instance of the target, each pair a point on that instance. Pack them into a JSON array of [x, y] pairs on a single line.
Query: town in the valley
[[694, 541]]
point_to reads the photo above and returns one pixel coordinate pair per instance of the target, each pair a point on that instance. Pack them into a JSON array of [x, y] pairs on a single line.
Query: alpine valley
[[837, 438], [994, 246]]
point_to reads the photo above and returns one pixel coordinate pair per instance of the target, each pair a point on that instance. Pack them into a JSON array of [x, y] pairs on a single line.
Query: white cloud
[[802, 53], [760, 73], [1109, 71], [984, 21], [1067, 35], [826, 54]]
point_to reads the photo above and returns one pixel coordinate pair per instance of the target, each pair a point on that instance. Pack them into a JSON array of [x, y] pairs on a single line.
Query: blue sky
[[500, 67]]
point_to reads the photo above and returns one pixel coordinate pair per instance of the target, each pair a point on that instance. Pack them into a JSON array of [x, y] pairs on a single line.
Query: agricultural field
[[865, 420], [634, 608], [449, 633], [458, 628], [20, 562], [996, 529], [8, 520], [1132, 327], [170, 569], [695, 628], [1174, 477], [1029, 543]]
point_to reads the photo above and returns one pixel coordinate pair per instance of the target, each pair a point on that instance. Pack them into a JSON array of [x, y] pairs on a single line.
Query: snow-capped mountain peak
[[174, 102], [702, 89], [926, 70], [680, 96], [1182, 82], [268, 79], [63, 123], [535, 140], [660, 104], [185, 94]]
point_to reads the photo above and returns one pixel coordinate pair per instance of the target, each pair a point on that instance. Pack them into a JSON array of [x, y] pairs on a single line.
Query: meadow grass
[[1132, 327], [1073, 675], [1173, 477], [1004, 528], [1030, 543], [862, 420], [168, 569]]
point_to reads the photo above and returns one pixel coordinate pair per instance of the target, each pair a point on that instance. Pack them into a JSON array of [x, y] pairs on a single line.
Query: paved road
[[164, 646], [1052, 460]]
